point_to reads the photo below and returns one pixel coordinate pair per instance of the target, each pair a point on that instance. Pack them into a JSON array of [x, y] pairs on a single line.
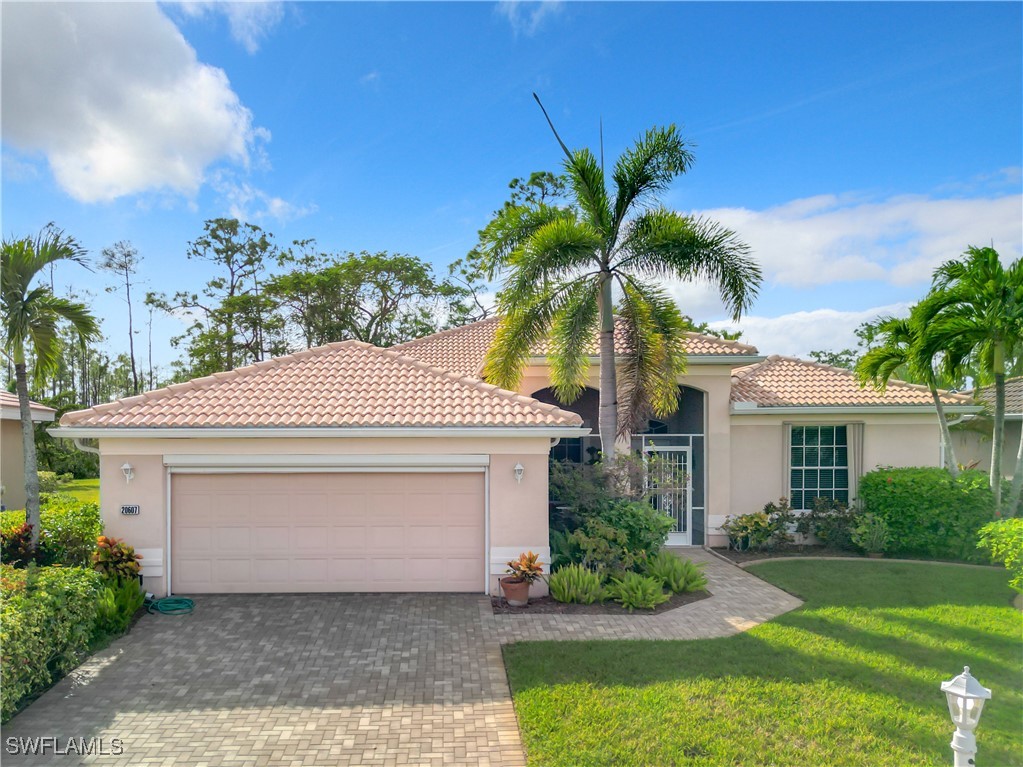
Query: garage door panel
[[327, 532]]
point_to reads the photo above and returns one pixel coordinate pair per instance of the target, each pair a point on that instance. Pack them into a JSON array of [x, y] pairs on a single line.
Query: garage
[[342, 531]]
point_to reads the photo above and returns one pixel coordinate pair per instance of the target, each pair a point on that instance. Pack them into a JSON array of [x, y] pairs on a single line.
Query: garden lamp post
[[966, 697]]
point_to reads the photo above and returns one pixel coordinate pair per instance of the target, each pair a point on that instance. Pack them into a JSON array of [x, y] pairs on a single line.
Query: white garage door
[[254, 533]]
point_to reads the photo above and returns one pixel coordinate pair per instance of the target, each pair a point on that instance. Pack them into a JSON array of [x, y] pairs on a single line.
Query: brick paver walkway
[[337, 679]]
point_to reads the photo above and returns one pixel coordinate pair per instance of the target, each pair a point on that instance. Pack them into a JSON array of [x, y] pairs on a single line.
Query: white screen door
[[670, 489]]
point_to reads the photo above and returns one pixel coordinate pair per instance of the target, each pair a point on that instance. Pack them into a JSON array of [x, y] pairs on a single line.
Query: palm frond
[[648, 168], [558, 250], [586, 179], [512, 226], [667, 244], [573, 329]]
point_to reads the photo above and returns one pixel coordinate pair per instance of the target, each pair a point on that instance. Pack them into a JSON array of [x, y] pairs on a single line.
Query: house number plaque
[[130, 510]]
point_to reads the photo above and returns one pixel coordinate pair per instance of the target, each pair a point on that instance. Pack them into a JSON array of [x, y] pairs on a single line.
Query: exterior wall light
[[966, 697], [519, 471], [129, 472]]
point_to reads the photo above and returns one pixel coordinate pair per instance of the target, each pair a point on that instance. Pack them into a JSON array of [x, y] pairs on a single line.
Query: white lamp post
[[966, 698]]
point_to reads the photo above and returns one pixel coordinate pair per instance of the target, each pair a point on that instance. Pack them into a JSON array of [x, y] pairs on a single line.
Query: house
[[12, 455], [972, 438], [353, 468]]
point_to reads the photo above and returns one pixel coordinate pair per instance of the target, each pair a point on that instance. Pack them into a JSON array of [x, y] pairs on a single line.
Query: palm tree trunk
[[607, 418], [946, 436], [28, 446], [999, 432]]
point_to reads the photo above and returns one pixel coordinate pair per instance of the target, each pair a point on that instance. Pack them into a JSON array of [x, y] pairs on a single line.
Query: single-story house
[[972, 438], [12, 454], [353, 468]]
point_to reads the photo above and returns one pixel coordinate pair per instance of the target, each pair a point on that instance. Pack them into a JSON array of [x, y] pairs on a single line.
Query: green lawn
[[852, 678], [82, 489]]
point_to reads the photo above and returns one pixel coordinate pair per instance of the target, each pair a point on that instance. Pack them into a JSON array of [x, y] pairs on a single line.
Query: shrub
[[47, 618], [761, 529], [637, 592], [830, 521], [871, 534], [118, 601], [1004, 539], [675, 573], [50, 481], [16, 545], [116, 559], [625, 534], [68, 531], [574, 583], [929, 513]]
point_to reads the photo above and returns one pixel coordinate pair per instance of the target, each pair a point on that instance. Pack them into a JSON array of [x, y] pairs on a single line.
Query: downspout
[[943, 457], [83, 447]]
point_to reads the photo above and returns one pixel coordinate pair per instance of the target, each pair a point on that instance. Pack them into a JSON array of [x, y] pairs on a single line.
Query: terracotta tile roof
[[462, 350], [11, 409], [789, 382], [1013, 396], [346, 384]]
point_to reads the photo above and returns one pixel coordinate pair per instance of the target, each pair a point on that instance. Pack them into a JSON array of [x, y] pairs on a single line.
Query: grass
[[83, 489], [852, 678]]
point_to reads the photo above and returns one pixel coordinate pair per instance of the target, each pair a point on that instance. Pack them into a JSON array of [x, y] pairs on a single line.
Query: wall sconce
[[519, 471], [129, 472]]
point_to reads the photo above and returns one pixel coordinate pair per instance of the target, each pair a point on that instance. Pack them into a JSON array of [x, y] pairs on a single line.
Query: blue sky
[[854, 146]]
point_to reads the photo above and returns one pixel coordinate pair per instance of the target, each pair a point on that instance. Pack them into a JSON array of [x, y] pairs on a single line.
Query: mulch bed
[[795, 551], [547, 606]]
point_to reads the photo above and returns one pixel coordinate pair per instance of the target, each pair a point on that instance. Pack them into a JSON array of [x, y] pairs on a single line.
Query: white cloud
[[248, 203], [116, 100], [370, 78], [250, 21], [527, 17], [829, 238], [799, 333]]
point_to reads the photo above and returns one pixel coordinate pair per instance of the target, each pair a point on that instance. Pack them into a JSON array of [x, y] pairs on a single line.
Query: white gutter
[[331, 432], [83, 447], [735, 360], [749, 408]]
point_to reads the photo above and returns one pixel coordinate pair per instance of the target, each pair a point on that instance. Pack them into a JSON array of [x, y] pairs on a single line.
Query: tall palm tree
[[900, 347], [975, 310], [564, 266], [30, 323]]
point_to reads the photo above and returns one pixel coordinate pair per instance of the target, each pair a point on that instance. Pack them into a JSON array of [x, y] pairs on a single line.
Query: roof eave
[[264, 432], [732, 360], [751, 408]]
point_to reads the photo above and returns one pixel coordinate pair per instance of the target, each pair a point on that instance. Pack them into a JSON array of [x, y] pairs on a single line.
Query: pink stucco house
[[353, 468]]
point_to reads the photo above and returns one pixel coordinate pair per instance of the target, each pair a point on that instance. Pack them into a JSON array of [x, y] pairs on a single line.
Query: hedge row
[[68, 531], [928, 513], [47, 616]]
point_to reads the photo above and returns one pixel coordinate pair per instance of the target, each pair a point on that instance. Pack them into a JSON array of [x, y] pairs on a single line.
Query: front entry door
[[670, 489]]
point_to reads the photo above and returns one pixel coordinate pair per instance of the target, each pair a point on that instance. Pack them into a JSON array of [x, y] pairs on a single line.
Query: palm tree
[[900, 348], [975, 310], [565, 264], [30, 321]]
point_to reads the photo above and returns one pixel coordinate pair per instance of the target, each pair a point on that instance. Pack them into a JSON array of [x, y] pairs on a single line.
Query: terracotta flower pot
[[516, 591]]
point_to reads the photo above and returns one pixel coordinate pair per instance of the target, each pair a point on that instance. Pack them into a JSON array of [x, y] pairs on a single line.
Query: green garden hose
[[170, 606]]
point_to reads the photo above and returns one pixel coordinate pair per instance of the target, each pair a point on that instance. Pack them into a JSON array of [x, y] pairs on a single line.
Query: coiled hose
[[170, 606]]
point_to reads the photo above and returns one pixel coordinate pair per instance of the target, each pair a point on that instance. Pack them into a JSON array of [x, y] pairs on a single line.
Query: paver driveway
[[291, 680], [340, 679]]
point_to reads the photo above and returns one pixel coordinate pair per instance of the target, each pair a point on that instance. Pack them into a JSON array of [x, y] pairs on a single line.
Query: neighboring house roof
[[780, 382], [10, 410], [463, 349], [346, 384], [1013, 396]]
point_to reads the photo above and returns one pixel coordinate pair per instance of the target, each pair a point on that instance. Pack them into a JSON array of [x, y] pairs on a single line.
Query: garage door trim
[[331, 462], [382, 467]]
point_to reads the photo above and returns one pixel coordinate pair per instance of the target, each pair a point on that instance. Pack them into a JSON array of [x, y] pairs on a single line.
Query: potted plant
[[522, 572], [871, 535]]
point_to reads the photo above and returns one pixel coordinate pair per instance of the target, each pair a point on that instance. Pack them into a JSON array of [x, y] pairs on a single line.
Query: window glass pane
[[797, 435], [827, 479], [810, 479], [797, 456], [842, 478], [827, 456], [827, 435], [797, 479], [796, 501], [840, 436], [842, 495], [812, 435], [810, 456], [841, 456]]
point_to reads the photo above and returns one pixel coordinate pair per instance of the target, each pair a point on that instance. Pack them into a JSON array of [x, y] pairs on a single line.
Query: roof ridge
[[195, 384], [445, 332], [478, 384], [723, 341]]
